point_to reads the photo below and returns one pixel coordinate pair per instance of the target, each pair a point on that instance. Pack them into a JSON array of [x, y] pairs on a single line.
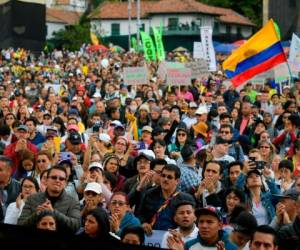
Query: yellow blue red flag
[[260, 53]]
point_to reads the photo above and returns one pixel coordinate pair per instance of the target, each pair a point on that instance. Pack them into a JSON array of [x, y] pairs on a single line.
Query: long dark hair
[[102, 219]]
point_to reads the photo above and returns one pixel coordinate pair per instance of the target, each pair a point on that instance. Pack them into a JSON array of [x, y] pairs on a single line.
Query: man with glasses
[[65, 208], [235, 150], [156, 211]]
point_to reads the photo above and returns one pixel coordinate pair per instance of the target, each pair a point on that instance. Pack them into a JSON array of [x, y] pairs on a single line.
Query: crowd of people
[[86, 154]]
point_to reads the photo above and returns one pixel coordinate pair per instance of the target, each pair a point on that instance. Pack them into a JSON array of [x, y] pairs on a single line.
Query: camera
[[258, 164], [97, 126]]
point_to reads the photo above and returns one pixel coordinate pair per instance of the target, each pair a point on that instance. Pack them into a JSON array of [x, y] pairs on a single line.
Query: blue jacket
[[266, 197], [223, 236], [128, 220]]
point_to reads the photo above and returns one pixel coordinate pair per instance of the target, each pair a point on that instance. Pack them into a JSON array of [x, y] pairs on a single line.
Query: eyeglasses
[[55, 178], [119, 203], [224, 132], [39, 161], [264, 147], [181, 134], [169, 177]]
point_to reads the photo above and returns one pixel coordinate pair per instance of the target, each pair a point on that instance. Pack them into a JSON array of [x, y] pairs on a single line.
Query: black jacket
[[289, 236]]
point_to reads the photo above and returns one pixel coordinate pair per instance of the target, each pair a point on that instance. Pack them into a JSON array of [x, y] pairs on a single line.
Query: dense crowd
[[84, 153]]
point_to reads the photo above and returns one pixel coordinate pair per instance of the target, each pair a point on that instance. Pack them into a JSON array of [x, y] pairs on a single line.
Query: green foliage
[[249, 8], [73, 37]]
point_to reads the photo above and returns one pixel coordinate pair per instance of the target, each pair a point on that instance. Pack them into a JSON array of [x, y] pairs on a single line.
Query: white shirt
[[13, 213], [185, 239]]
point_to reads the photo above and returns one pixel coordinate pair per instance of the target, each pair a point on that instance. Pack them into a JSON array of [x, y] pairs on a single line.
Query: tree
[[249, 8]]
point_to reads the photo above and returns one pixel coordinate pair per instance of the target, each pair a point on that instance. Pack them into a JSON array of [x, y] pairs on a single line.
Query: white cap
[[94, 187], [148, 154], [201, 110], [96, 165], [97, 94], [104, 137], [117, 123]]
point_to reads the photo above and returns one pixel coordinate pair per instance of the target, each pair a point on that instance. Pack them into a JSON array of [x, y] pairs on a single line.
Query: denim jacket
[[266, 197]]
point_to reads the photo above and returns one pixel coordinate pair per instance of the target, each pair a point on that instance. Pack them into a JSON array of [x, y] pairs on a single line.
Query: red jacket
[[10, 151]]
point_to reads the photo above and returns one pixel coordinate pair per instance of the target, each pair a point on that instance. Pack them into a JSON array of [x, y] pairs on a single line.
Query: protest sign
[[208, 48], [198, 69], [198, 50], [179, 76], [149, 48], [155, 239], [135, 75], [163, 66], [159, 44]]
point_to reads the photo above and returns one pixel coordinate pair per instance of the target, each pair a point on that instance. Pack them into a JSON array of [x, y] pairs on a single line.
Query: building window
[[228, 29], [142, 28], [238, 30], [115, 29], [173, 23], [216, 27], [292, 3]]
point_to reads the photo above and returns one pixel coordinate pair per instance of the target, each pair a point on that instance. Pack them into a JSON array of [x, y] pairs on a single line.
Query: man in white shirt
[[185, 219]]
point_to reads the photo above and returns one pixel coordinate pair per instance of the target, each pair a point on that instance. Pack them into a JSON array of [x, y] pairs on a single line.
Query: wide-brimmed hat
[[200, 128]]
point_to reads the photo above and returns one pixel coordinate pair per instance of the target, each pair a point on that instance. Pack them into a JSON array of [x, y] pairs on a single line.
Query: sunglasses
[[39, 161], [169, 177], [55, 178], [181, 134], [224, 132], [119, 203]]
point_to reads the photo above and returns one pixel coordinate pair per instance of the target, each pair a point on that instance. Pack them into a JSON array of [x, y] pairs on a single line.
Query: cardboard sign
[[198, 50], [163, 66], [199, 68], [135, 75], [181, 76], [155, 239]]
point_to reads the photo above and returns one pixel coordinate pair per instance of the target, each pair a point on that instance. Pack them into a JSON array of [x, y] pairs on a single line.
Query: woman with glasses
[[181, 139], [266, 150], [43, 162], [29, 186], [121, 216], [123, 150]]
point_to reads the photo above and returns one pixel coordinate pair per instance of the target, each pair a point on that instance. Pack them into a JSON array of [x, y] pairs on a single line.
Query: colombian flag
[[260, 53]]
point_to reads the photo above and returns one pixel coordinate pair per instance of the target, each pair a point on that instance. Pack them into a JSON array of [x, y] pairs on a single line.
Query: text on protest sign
[[198, 69], [179, 76], [208, 48], [198, 50], [135, 75]]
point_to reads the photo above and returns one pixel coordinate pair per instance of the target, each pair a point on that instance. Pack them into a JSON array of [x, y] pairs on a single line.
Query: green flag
[[277, 30], [159, 44], [134, 43], [149, 48]]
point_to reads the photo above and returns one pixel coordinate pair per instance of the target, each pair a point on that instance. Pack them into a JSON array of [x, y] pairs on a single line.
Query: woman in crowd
[[267, 151], [26, 166], [46, 220], [181, 139], [29, 186], [121, 216], [111, 164], [133, 235], [43, 162], [159, 148]]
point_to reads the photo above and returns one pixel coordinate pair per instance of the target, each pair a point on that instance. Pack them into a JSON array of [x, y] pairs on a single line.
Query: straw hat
[[200, 128]]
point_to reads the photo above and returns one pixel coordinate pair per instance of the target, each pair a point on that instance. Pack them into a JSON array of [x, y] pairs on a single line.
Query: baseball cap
[[96, 165], [201, 110], [193, 105], [256, 171], [147, 128], [104, 137], [75, 138], [94, 187], [151, 100], [286, 164], [73, 127], [23, 127], [117, 124], [290, 193], [145, 153], [73, 112], [209, 210], [51, 129]]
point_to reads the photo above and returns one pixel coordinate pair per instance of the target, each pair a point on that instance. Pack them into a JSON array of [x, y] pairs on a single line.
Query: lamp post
[[138, 19], [129, 25]]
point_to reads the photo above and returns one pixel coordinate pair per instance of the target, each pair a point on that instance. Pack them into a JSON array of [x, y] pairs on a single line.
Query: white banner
[[155, 239], [295, 50], [198, 50], [208, 48]]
